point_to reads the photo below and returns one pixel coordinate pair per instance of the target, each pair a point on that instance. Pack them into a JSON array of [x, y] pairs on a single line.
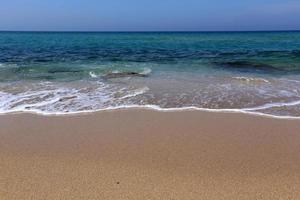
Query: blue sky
[[150, 15]]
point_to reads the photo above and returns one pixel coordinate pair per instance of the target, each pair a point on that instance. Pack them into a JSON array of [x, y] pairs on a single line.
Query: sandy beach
[[145, 154]]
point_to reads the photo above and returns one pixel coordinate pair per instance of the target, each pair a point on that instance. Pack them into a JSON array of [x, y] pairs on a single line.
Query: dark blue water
[[71, 72]]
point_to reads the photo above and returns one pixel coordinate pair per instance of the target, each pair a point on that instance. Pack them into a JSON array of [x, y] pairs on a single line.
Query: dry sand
[[143, 154]]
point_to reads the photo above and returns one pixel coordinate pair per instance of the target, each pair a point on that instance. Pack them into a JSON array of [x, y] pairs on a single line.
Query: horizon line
[[152, 31]]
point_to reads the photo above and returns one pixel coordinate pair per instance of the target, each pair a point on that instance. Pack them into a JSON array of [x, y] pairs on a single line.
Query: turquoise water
[[72, 72]]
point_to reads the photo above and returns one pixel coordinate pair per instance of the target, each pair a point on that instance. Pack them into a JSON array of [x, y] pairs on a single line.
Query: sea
[[74, 72]]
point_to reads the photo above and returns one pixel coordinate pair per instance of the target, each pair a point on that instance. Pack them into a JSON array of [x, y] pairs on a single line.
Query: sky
[[149, 15]]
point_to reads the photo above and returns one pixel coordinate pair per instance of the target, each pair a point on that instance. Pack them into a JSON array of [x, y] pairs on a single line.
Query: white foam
[[10, 102], [249, 79], [146, 71], [93, 75], [58, 99], [152, 107], [115, 71], [102, 98], [6, 99], [136, 92], [273, 105]]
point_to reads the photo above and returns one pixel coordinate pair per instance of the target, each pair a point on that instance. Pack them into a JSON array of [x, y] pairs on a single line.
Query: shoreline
[[153, 108], [145, 154]]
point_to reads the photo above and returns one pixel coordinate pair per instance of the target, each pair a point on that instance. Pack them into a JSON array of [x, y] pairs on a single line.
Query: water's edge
[[151, 108]]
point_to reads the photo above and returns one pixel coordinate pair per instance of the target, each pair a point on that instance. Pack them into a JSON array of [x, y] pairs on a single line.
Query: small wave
[[93, 75], [273, 105], [115, 71], [136, 93], [249, 79], [246, 66], [291, 80], [124, 75], [146, 71]]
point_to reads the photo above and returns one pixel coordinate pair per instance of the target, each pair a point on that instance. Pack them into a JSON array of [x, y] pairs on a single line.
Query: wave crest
[[250, 79]]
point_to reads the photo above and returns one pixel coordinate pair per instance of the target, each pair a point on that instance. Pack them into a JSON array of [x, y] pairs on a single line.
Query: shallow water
[[74, 72]]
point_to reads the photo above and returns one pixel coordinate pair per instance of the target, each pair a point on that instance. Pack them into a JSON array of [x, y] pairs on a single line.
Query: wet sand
[[143, 154]]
